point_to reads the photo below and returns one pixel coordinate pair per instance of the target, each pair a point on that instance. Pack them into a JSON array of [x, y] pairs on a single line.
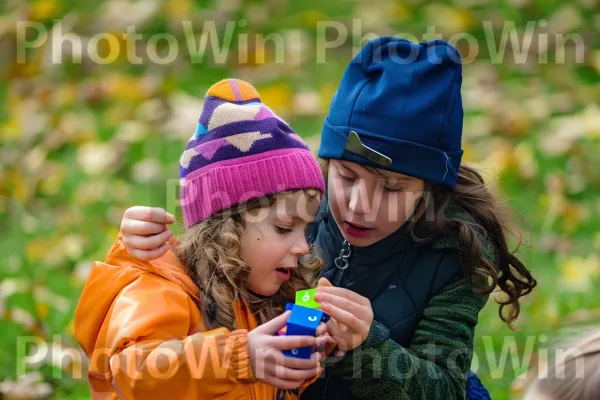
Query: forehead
[[375, 172], [298, 203]]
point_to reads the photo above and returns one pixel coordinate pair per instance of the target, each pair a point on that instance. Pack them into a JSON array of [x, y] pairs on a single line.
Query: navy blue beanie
[[399, 108]]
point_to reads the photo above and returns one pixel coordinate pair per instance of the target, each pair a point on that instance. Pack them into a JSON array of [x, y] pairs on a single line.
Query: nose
[[360, 203], [300, 246]]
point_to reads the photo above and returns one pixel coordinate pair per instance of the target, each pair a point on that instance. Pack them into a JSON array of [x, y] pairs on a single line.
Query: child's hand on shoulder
[[271, 366], [145, 231]]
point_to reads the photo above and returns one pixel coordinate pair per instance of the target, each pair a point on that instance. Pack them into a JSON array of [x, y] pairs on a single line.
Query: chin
[[266, 290], [360, 242]]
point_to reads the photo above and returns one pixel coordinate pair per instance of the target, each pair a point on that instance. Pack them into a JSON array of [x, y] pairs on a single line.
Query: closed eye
[[393, 190], [281, 230], [347, 178]]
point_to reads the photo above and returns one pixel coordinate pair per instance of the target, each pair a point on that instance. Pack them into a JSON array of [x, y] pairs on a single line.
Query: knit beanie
[[399, 108], [241, 150]]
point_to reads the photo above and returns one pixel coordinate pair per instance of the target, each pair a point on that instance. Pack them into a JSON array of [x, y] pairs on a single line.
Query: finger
[[324, 282], [147, 242], [274, 325], [302, 363], [359, 310], [322, 341], [344, 293], [292, 342], [338, 335], [321, 329], [137, 227], [149, 214], [343, 316], [147, 255]]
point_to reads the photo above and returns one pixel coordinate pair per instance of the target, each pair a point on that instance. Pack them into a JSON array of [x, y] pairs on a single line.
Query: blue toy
[[303, 321]]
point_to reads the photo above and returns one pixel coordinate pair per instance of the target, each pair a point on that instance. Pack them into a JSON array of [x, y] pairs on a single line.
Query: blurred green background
[[87, 132]]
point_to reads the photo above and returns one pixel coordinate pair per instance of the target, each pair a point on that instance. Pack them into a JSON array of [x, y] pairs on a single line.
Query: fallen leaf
[[577, 273], [98, 158], [148, 170]]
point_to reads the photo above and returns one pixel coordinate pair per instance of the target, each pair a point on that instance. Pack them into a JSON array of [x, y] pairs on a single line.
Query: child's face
[[274, 239], [369, 206]]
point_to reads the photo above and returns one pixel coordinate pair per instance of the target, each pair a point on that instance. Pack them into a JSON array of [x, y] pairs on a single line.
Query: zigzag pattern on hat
[[234, 119], [241, 150]]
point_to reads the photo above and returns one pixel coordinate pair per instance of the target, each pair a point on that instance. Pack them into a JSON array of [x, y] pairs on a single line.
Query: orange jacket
[[139, 324]]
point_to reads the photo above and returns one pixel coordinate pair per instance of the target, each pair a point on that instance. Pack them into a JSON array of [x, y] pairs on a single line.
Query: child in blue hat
[[412, 240]]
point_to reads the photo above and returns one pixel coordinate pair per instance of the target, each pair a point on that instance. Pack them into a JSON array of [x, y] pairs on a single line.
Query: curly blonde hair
[[211, 252]]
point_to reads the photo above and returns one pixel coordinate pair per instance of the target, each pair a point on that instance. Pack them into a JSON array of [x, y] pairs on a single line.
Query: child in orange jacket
[[201, 321]]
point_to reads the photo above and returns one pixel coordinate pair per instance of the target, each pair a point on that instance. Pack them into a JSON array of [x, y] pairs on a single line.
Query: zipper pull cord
[[341, 261]]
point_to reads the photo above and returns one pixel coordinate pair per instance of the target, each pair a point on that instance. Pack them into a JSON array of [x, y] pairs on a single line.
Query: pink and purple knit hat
[[241, 151]]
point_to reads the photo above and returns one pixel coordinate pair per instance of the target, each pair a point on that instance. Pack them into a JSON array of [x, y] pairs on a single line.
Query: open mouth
[[284, 273], [356, 230]]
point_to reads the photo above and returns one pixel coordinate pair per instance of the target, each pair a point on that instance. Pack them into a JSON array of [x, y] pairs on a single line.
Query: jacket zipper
[[342, 264]]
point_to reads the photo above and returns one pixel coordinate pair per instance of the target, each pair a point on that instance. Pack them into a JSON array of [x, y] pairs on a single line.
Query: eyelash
[[282, 231], [390, 190], [347, 178], [386, 189]]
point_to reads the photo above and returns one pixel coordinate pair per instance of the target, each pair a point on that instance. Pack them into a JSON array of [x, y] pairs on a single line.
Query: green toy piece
[[305, 298]]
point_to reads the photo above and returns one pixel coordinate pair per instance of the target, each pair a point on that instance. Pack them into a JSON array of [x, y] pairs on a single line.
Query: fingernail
[[170, 217]]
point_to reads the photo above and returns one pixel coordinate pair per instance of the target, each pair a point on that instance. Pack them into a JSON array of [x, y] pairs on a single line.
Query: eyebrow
[[294, 218]]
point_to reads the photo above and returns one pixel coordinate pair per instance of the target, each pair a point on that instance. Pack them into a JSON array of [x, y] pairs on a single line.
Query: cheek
[[336, 193]]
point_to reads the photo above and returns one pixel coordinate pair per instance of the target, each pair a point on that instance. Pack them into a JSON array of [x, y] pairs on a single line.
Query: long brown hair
[[211, 252], [487, 263], [474, 218]]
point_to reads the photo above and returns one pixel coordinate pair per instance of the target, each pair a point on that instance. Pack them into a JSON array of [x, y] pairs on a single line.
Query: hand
[[352, 311], [271, 366], [145, 231]]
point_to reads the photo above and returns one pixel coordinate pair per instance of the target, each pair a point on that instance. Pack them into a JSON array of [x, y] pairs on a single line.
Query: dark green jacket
[[420, 344]]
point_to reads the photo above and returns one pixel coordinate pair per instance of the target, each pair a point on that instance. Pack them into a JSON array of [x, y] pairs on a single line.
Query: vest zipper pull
[[341, 262]]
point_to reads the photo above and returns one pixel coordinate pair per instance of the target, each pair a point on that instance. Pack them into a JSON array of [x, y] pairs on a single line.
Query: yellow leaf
[[577, 272], [574, 215], [326, 91], [18, 185], [310, 18], [178, 9], [53, 182], [42, 310], [36, 249], [124, 87], [278, 97], [400, 12], [525, 160], [450, 20], [10, 130], [468, 153], [44, 9], [71, 328], [66, 95], [591, 120], [595, 60]]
